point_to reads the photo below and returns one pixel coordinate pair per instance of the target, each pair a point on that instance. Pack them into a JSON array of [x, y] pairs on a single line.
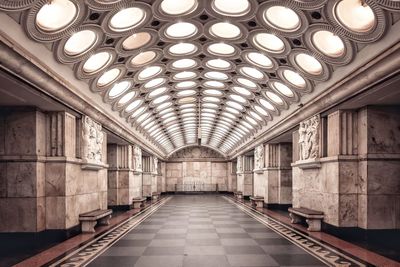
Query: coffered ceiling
[[218, 70]]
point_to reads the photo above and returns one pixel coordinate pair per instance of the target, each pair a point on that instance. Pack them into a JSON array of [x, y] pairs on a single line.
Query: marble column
[[147, 176], [154, 174], [239, 174], [248, 162], [232, 176]]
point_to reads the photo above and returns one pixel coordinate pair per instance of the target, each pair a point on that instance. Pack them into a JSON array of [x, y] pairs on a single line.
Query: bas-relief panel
[[309, 138], [195, 153], [92, 141]]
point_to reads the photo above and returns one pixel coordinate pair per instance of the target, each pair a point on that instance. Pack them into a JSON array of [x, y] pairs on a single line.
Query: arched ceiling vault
[[217, 70]]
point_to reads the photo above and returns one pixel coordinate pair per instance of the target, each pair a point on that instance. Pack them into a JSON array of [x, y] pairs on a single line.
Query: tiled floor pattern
[[203, 231]]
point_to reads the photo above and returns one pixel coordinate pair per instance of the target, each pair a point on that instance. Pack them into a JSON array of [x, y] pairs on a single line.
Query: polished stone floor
[[203, 230]]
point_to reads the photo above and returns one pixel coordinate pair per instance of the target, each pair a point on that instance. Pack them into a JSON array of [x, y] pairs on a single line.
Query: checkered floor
[[203, 231]]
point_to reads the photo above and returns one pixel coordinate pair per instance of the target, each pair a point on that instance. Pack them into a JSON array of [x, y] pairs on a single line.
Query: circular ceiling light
[[161, 99], [211, 99], [283, 89], [136, 40], [126, 98], [108, 77], [259, 59], [221, 49], [154, 83], [269, 42], [185, 84], [175, 8], [149, 72], [214, 84], [252, 73], [294, 78], [134, 105], [266, 104], [282, 18], [96, 62], [56, 15], [274, 97], [126, 19], [80, 42], [309, 64], [234, 105], [216, 75], [255, 115], [187, 100], [241, 90], [261, 110], [184, 63], [182, 49], [218, 64], [231, 8], [247, 83], [157, 91], [119, 88], [225, 30], [355, 15], [181, 30], [328, 43], [143, 58], [139, 110], [213, 92], [184, 75], [184, 93]]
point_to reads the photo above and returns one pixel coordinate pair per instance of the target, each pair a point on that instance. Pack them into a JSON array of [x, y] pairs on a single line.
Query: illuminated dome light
[[96, 62], [266, 104], [246, 82], [158, 91], [126, 98], [225, 30], [294, 78], [355, 15], [165, 111], [126, 19], [183, 49], [247, 125], [214, 84], [186, 100], [229, 115], [241, 90], [221, 49], [211, 99], [218, 64], [181, 30], [136, 40], [161, 99], [164, 105], [215, 75], [184, 63], [261, 110], [209, 105], [269, 42], [154, 83], [255, 115], [282, 18], [149, 72], [259, 59], [238, 98], [56, 15], [119, 88], [274, 97], [185, 84], [187, 106], [133, 105], [175, 8], [143, 58], [213, 92], [138, 112], [309, 64], [283, 89], [186, 93], [231, 8], [185, 75], [209, 110], [143, 117], [328, 43], [232, 110], [80, 42], [234, 105], [251, 120], [252, 72], [108, 77]]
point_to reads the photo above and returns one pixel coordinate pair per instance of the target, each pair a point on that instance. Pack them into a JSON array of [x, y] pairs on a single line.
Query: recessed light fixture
[[108, 77], [225, 30], [259, 59], [222, 49], [96, 62], [136, 40], [184, 63], [355, 15], [282, 18], [119, 88], [182, 49], [143, 58], [80, 42], [283, 89], [294, 78], [175, 8], [126, 19], [269, 42], [56, 15], [309, 64], [328, 43], [149, 72], [231, 8], [181, 30]]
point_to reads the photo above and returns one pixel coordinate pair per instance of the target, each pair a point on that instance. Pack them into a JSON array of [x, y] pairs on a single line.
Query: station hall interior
[[199, 133]]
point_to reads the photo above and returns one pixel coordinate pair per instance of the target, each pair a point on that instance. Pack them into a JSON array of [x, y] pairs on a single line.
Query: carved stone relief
[[92, 141], [309, 138], [137, 158], [196, 153], [259, 157], [155, 163]]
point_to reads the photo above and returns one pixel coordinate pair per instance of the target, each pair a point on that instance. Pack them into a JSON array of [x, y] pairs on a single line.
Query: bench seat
[[137, 203], [313, 217], [155, 196], [238, 195], [257, 201], [90, 219]]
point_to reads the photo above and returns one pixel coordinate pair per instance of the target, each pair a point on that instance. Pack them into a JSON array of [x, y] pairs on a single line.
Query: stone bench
[[238, 195], [257, 201], [155, 196], [89, 219], [137, 203], [313, 217]]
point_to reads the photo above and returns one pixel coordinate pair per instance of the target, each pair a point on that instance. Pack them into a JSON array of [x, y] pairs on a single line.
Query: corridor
[[202, 230]]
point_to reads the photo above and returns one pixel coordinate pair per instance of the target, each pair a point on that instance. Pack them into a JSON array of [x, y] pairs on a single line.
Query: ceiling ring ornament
[[258, 46], [148, 34], [59, 49], [372, 35], [348, 46], [190, 12], [159, 68], [157, 55], [392, 5], [196, 63], [16, 5], [242, 36], [246, 56], [240, 69], [309, 4], [129, 29], [308, 85], [162, 33], [192, 53], [245, 15], [151, 85], [297, 31], [38, 34], [326, 69], [228, 55], [105, 5], [94, 82], [79, 71]]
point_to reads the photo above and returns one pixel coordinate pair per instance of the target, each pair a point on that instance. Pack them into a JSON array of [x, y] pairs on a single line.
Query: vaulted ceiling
[[218, 70]]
